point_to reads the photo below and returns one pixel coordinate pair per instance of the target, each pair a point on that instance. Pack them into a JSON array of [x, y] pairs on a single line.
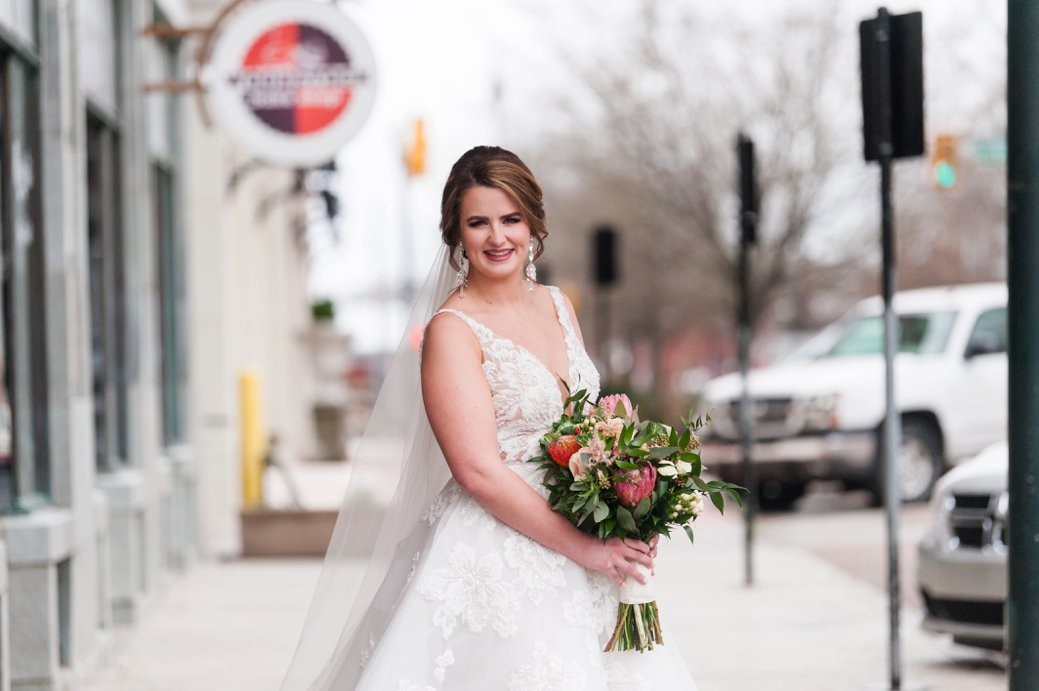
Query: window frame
[[106, 249], [163, 138], [23, 339]]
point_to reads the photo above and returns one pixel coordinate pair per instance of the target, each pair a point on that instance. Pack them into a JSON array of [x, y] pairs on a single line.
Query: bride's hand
[[617, 558]]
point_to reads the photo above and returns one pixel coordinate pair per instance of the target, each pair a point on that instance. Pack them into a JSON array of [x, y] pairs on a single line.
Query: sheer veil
[[361, 579]]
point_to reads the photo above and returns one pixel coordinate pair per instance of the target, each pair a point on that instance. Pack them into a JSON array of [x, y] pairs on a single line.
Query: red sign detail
[[274, 48], [319, 107], [295, 78]]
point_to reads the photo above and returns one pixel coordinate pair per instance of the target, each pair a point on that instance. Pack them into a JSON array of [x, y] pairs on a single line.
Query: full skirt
[[487, 608]]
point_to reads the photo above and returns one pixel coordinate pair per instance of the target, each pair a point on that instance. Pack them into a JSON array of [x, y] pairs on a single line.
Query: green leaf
[[735, 496], [626, 520], [608, 525], [699, 482], [636, 452], [662, 452], [718, 500], [643, 508], [689, 531], [601, 512], [627, 465], [589, 506]]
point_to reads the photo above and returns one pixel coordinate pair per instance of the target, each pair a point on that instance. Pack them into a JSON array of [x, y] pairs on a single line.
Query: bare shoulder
[[448, 333], [451, 367], [449, 344]]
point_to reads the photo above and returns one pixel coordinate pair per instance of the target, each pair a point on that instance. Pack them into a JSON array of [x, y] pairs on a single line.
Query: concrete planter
[[267, 533]]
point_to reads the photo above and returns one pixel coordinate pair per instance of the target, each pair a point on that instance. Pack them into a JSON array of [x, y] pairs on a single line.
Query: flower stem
[[638, 628]]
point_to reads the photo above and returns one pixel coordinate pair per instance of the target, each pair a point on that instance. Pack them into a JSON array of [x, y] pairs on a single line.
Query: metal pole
[[745, 421], [1023, 311], [748, 222], [892, 426], [892, 422]]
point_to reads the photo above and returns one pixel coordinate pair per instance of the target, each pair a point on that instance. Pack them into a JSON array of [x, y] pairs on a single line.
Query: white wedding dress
[[485, 608]]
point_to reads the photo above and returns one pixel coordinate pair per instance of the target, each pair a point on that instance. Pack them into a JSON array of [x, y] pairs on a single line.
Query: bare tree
[[651, 150], [645, 140]]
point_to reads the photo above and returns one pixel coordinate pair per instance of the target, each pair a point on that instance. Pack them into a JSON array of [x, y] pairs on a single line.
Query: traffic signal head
[[943, 161], [415, 154], [604, 255]]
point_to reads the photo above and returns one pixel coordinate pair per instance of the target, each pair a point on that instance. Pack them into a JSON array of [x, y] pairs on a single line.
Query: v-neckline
[[545, 368]]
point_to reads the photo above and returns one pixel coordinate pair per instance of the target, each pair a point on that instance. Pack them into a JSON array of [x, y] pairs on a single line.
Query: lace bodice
[[526, 396]]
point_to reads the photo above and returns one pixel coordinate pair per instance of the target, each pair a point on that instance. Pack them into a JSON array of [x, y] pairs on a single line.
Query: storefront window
[[171, 301], [107, 295], [24, 452], [162, 136]]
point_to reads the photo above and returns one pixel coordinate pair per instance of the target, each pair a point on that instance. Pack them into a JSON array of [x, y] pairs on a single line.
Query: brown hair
[[491, 166]]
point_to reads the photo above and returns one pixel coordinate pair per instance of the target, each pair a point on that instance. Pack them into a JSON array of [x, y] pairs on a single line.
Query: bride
[[470, 581]]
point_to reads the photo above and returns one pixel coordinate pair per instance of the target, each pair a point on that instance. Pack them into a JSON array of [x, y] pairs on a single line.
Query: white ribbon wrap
[[635, 593]]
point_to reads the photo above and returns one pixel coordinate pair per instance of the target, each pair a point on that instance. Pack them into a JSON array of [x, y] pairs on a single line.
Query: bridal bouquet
[[613, 474]]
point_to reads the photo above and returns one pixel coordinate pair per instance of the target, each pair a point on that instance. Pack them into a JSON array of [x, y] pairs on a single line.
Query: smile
[[498, 255]]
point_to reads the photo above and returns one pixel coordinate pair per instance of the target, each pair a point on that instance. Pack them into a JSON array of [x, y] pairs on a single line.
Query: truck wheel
[[774, 495], [920, 462]]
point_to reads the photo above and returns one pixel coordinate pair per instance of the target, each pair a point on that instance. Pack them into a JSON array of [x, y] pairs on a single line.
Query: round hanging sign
[[291, 80]]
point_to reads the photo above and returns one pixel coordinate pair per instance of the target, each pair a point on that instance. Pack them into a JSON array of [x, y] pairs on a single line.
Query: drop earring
[[531, 272], [463, 273]]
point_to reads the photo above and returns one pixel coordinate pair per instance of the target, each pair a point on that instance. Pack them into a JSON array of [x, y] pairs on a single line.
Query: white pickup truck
[[817, 414]]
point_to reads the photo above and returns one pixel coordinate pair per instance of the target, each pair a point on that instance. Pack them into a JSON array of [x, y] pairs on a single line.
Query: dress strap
[[483, 334], [563, 314]]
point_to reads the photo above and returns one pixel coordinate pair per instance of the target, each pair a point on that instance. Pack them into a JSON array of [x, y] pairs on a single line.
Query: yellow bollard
[[251, 421]]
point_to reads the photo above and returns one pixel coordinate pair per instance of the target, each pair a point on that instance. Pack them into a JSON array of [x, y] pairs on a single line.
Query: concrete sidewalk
[[805, 626]]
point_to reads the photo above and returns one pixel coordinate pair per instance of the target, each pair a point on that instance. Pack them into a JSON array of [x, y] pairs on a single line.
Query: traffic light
[[415, 153], [604, 255], [943, 161], [748, 190]]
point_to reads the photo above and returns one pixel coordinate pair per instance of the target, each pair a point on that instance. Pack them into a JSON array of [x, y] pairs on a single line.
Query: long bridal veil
[[361, 576]]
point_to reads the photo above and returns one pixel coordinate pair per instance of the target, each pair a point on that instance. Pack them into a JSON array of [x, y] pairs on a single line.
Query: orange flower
[[563, 448]]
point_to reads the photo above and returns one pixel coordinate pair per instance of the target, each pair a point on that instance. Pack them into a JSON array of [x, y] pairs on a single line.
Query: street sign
[[291, 80], [992, 150], [892, 71]]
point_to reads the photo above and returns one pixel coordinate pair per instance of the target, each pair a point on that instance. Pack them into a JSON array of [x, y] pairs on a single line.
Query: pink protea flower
[[636, 486], [609, 405]]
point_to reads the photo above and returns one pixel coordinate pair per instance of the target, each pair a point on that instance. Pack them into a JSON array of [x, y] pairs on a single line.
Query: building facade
[[143, 275]]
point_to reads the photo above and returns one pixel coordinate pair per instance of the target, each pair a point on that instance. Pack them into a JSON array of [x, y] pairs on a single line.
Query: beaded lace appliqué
[[472, 590], [547, 671]]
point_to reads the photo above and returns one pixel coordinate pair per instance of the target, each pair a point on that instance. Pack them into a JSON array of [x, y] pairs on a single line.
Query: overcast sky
[[443, 60]]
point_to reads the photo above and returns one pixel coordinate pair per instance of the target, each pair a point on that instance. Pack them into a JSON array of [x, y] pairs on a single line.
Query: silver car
[[962, 566]]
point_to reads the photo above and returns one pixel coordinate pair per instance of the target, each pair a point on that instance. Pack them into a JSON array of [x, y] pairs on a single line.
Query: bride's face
[[495, 234]]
